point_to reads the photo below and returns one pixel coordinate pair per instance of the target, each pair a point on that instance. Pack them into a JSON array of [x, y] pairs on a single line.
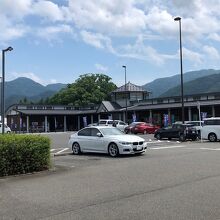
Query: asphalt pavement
[[172, 180]]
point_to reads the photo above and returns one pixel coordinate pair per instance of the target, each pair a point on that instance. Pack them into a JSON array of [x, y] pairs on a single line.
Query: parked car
[[106, 139], [211, 129], [93, 124], [144, 128], [129, 128], [7, 129], [180, 131], [197, 125], [105, 122], [119, 124], [116, 123]]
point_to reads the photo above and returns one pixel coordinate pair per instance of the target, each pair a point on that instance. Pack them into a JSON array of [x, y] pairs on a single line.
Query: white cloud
[[97, 40], [10, 31], [14, 23], [53, 81], [16, 10], [53, 32], [121, 17], [118, 17], [211, 53], [101, 68], [192, 56], [48, 10], [113, 25], [214, 36], [142, 52], [160, 21]]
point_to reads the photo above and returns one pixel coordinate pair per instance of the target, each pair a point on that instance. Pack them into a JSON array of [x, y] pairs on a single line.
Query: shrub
[[23, 154]]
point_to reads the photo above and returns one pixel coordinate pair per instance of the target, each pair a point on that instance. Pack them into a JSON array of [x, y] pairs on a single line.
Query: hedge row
[[21, 154]]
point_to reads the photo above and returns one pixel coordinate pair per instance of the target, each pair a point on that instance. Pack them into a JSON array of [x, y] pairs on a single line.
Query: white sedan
[[102, 139]]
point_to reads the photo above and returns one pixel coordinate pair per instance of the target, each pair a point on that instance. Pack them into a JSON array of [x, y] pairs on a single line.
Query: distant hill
[[55, 87], [204, 84], [160, 86], [202, 81], [22, 87]]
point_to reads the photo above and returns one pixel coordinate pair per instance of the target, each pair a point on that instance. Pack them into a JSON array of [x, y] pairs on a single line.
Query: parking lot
[[59, 142], [172, 180]]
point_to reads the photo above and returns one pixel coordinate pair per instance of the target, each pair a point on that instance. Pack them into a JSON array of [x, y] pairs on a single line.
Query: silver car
[[7, 129], [102, 139]]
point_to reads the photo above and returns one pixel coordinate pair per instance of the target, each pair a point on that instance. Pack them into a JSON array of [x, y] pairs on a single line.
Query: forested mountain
[[204, 84], [160, 86], [26, 89]]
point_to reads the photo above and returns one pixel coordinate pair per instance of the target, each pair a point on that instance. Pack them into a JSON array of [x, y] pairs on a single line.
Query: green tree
[[24, 101], [87, 89], [41, 101]]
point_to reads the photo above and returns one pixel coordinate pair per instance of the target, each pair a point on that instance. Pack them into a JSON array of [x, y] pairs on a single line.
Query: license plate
[[139, 147]]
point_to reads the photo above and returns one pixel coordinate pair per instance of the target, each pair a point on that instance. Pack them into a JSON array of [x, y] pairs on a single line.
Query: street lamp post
[[3, 89], [181, 67], [126, 98]]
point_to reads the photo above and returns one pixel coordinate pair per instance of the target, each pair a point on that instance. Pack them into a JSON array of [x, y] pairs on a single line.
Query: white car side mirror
[[99, 134]]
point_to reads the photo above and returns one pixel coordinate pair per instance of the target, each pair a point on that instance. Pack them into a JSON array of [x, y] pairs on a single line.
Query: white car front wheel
[[212, 137], [76, 148], [113, 150]]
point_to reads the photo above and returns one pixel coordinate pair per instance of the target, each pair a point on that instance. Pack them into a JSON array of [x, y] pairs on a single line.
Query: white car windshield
[[111, 131]]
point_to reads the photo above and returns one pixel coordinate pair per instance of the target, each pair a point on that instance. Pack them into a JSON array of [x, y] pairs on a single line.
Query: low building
[[52, 118]]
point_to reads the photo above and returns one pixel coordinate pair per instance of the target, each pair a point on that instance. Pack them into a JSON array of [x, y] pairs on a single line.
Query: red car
[[144, 128]]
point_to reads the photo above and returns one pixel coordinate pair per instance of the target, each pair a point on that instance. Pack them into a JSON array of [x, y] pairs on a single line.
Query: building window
[[120, 96], [196, 98], [217, 96], [39, 107], [177, 100], [159, 101]]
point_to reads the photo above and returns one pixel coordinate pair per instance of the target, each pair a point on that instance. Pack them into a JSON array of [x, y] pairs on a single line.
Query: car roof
[[191, 121], [212, 118], [98, 127]]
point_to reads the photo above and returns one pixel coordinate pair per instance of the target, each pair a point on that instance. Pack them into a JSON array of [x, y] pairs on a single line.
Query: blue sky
[[58, 40]]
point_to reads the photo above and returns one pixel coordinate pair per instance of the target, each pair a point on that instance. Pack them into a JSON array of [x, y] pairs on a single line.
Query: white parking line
[[154, 142], [62, 150], [53, 149], [158, 141], [205, 148], [170, 147]]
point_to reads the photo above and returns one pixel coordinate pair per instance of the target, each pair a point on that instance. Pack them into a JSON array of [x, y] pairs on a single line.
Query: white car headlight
[[125, 143]]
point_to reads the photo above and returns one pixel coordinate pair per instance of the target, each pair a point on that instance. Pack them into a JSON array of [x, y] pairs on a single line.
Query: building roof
[[172, 105], [49, 110], [130, 87], [55, 112], [107, 106]]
